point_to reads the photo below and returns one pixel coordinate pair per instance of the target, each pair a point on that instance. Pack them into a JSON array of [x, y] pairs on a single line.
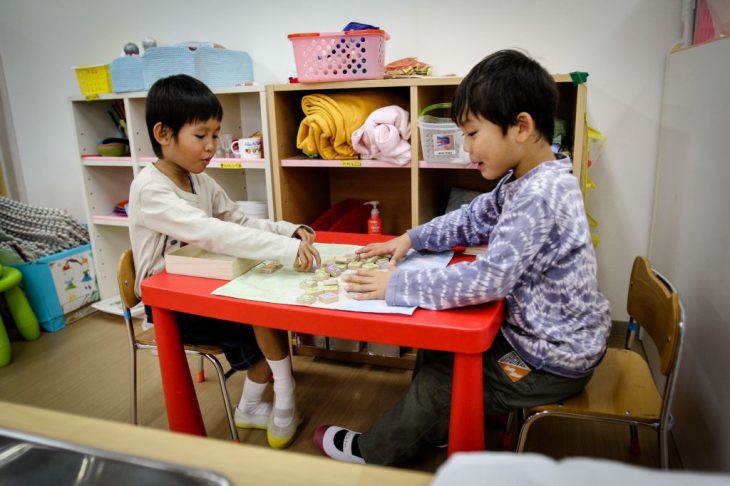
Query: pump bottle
[[375, 224]]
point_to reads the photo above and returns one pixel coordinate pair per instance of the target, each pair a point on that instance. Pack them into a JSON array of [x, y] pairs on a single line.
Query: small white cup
[[248, 148]]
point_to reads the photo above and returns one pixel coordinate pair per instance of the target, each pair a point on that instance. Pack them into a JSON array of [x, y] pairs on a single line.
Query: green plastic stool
[[20, 311]]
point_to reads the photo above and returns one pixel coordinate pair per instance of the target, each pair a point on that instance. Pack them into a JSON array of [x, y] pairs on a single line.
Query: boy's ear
[[525, 127], [162, 133]]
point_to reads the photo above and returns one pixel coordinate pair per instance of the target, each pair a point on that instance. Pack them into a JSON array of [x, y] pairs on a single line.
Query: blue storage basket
[[126, 72], [58, 284], [160, 62], [218, 68]]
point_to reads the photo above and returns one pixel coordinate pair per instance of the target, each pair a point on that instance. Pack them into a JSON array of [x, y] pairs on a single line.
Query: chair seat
[[621, 387], [147, 338]]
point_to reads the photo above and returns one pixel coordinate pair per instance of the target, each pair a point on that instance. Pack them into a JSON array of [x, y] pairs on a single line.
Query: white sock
[[283, 388], [251, 397], [342, 444]]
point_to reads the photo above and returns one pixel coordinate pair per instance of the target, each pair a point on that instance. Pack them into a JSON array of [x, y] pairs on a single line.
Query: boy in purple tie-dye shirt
[[540, 259]]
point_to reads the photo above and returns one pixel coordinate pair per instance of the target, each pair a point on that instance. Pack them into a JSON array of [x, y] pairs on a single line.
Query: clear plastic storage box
[[441, 138]]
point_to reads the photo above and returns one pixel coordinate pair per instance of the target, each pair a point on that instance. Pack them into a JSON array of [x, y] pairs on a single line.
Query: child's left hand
[[368, 284], [304, 234]]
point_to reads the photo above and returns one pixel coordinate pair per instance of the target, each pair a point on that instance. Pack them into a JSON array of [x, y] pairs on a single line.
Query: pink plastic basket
[[339, 56]]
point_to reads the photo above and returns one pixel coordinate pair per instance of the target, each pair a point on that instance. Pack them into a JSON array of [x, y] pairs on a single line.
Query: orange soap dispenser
[[375, 224]]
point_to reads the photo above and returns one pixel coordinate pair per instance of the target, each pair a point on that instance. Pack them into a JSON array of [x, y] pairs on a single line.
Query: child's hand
[[368, 284], [397, 247], [307, 256], [304, 234]]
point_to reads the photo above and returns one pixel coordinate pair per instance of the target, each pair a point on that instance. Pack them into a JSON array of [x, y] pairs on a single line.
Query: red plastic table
[[467, 332]]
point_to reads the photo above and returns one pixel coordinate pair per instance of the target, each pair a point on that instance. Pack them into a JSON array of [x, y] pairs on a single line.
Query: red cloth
[[348, 216]]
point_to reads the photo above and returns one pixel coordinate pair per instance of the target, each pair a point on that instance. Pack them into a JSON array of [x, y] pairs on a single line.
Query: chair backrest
[[126, 279], [655, 305]]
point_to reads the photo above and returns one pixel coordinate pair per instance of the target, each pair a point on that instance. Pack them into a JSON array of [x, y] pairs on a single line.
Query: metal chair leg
[[663, 444], [508, 434], [200, 377], [133, 384], [224, 391]]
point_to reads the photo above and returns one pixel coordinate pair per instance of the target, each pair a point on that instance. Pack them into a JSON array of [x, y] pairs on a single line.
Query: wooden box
[[196, 262]]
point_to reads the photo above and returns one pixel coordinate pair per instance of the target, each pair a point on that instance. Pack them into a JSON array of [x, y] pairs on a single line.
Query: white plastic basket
[[441, 138]]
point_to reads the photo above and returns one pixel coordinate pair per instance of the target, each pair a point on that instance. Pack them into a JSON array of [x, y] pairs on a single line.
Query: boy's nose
[[467, 145]]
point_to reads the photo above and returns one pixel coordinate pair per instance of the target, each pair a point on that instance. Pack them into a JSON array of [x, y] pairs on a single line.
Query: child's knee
[[432, 388]]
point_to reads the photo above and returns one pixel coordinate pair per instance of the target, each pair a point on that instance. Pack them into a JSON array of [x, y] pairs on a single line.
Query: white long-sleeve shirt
[[163, 217]]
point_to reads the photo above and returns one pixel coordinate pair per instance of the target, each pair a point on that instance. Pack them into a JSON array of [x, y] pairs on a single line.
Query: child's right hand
[[397, 247], [307, 256]]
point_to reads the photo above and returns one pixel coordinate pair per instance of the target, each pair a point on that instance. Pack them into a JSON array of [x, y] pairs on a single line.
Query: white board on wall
[[690, 243]]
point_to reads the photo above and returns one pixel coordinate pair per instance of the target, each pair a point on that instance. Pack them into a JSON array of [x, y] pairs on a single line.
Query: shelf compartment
[[107, 243], [435, 185], [105, 188], [307, 192], [93, 124], [100, 161]]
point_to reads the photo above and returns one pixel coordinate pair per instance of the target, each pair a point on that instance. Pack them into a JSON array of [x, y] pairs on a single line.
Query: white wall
[[622, 44], [689, 243]]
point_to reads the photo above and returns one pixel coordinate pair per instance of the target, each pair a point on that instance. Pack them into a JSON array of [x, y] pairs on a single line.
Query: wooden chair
[[146, 340], [622, 389]]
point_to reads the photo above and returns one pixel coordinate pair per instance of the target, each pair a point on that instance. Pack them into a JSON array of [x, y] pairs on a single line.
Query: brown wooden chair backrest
[[126, 279], [655, 307]]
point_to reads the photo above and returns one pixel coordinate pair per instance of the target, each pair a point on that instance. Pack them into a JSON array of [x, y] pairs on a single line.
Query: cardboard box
[[337, 344], [312, 340], [196, 262], [378, 349]]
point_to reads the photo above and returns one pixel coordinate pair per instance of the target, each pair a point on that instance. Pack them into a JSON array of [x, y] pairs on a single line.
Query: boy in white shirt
[[173, 202]]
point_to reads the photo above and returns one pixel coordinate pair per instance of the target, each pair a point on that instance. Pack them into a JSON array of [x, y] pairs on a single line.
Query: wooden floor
[[84, 369]]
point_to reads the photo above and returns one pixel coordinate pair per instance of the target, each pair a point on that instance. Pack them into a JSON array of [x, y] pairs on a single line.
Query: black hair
[[503, 85], [177, 100]]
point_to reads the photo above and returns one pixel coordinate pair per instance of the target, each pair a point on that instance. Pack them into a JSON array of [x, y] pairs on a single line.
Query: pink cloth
[[384, 136]]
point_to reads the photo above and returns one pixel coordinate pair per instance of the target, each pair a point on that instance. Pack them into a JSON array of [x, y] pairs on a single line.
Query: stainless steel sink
[[28, 460]]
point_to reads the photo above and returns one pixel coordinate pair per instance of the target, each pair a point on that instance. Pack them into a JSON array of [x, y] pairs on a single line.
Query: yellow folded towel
[[330, 120]]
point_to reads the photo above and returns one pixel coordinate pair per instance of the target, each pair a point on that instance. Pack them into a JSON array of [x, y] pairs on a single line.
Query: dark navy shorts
[[237, 340]]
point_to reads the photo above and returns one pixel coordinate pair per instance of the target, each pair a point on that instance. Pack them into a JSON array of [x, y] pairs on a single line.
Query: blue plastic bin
[[127, 74], [58, 284]]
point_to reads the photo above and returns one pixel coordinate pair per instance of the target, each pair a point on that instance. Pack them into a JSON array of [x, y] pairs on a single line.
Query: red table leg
[[183, 411], [466, 425]]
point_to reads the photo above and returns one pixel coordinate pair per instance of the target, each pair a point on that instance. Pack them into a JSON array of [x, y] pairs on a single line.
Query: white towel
[[384, 136]]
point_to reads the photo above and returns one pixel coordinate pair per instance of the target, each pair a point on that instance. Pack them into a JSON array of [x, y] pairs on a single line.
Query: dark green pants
[[421, 418]]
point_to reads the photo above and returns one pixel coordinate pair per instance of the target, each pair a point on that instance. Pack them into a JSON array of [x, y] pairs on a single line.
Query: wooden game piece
[[382, 263], [354, 265], [320, 275], [269, 267], [305, 284], [306, 299], [314, 291], [329, 297], [333, 270]]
